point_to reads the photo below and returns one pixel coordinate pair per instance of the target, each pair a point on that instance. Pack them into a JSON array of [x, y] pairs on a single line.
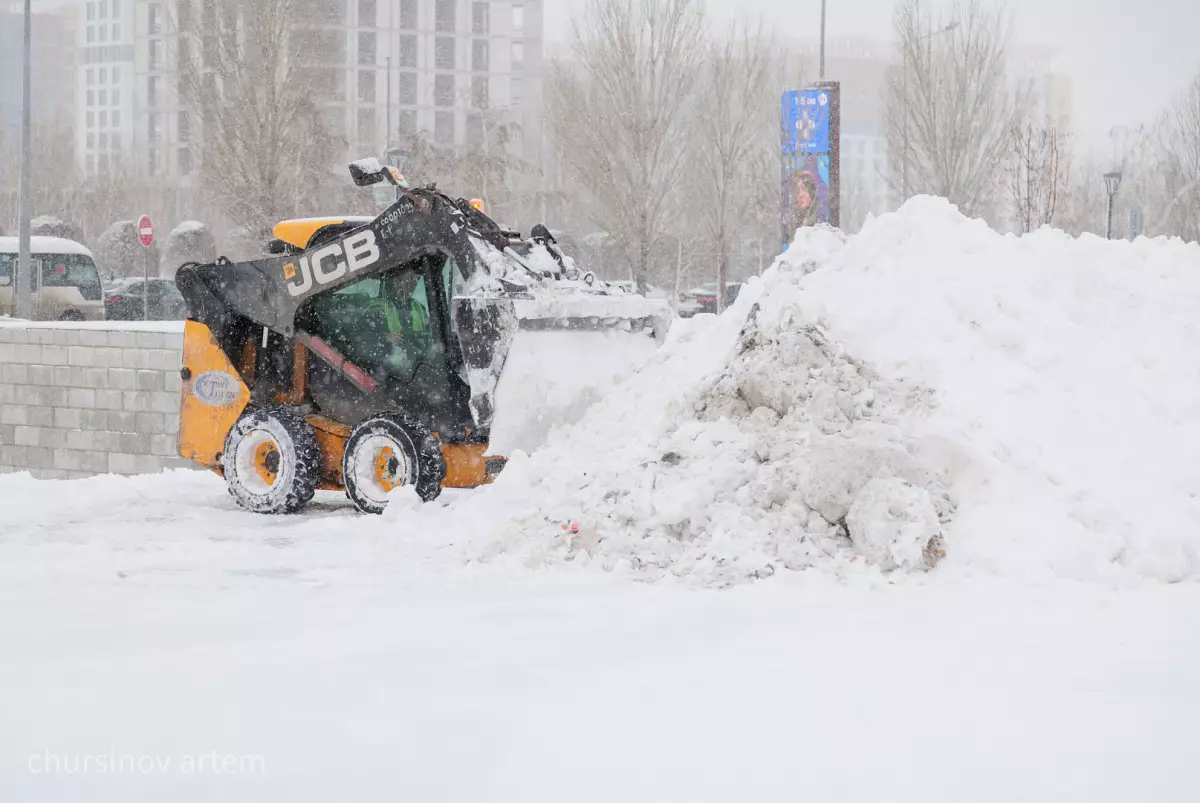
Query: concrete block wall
[[83, 399]]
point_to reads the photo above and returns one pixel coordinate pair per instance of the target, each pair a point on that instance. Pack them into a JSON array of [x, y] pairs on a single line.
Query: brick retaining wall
[[82, 399]]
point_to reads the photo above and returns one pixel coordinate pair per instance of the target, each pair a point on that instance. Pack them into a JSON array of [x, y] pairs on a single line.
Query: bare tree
[[949, 106], [618, 118], [1036, 173], [732, 128], [262, 136]]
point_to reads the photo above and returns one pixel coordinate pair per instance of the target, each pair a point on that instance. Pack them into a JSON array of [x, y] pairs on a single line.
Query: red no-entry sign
[[145, 231]]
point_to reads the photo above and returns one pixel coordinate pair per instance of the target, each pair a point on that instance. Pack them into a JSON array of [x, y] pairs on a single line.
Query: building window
[[479, 55], [444, 16], [517, 92], [518, 19], [408, 88], [116, 97], [115, 139], [91, 76], [366, 86], [153, 130], [91, 11], [152, 91], [116, 34], [102, 141], [91, 119], [443, 90], [115, 118], [152, 161], [443, 53], [104, 119], [102, 33], [102, 97], [474, 129], [518, 55], [185, 161], [366, 47], [154, 23], [91, 34], [183, 15], [91, 97], [479, 92], [103, 76], [480, 18], [366, 128], [443, 128], [185, 126], [366, 13], [91, 140], [407, 122], [154, 45], [102, 9], [408, 52], [408, 14]]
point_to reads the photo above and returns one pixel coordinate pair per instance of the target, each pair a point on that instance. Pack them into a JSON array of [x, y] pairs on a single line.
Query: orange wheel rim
[[386, 465], [266, 462]]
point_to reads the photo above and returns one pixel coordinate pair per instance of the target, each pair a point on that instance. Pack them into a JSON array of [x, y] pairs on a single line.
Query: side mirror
[[368, 172]]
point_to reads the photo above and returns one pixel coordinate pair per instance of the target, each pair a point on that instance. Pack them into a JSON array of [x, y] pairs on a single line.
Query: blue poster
[[806, 121]]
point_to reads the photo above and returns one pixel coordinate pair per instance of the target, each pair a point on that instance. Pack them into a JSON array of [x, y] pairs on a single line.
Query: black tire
[[72, 315], [260, 482], [415, 459]]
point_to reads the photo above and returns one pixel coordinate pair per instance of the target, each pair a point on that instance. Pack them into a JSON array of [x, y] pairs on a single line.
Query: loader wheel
[[271, 460], [387, 452]]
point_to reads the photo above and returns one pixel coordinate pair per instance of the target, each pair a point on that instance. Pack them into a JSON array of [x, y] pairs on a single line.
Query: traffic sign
[[145, 231]]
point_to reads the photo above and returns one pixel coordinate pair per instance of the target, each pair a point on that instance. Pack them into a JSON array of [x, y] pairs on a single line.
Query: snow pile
[[1067, 374], [1024, 406], [750, 443]]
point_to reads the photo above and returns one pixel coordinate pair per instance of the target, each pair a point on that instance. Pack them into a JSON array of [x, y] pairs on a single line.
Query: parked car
[[124, 300], [66, 285], [704, 298]]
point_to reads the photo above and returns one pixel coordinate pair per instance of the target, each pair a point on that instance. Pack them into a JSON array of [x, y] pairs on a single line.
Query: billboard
[[810, 134]]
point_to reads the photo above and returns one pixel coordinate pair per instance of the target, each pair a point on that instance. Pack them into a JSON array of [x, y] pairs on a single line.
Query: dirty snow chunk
[[837, 468], [894, 524]]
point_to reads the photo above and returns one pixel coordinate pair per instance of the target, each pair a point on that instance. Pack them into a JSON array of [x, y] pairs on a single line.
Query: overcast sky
[[1127, 57]]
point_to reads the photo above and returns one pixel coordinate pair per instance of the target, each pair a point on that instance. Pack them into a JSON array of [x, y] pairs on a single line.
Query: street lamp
[[1112, 183], [904, 77], [23, 289]]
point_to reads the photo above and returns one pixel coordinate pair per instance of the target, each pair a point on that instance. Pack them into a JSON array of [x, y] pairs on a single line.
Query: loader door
[[394, 327]]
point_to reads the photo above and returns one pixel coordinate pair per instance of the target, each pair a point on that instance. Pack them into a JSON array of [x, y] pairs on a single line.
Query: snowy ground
[[725, 624], [149, 619]]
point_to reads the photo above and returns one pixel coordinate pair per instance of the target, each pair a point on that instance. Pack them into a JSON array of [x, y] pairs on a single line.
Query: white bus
[[66, 285]]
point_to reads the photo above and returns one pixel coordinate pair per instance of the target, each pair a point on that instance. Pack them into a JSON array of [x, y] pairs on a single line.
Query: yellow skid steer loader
[[365, 354]]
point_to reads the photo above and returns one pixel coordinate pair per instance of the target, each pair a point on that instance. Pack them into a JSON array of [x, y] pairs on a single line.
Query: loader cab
[[394, 327]]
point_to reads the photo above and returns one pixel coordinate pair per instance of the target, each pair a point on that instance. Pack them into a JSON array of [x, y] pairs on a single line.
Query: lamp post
[[23, 288], [822, 40], [907, 105], [1112, 183]]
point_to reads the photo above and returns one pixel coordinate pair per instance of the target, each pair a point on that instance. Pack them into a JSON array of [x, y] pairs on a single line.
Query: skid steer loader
[[368, 354]]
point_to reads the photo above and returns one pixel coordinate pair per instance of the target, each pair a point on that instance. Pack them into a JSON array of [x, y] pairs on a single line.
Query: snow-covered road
[[308, 659]]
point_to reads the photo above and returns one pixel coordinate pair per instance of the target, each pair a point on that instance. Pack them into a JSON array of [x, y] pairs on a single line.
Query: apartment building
[[53, 62], [382, 69]]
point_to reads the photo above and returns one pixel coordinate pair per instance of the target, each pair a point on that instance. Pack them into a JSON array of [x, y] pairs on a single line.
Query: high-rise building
[[53, 74], [382, 68]]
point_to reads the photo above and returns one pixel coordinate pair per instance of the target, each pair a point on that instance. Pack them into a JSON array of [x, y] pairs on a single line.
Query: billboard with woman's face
[[810, 152]]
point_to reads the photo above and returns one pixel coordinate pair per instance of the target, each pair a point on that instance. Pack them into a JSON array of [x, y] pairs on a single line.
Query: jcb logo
[[332, 262]]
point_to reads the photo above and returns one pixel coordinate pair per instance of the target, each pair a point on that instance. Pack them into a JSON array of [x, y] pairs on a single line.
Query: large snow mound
[[1023, 405]]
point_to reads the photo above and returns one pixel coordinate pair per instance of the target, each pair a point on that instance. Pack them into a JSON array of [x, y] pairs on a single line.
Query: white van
[[66, 285]]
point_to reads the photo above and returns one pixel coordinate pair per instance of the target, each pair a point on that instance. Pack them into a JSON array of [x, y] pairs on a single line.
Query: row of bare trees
[[668, 134]]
